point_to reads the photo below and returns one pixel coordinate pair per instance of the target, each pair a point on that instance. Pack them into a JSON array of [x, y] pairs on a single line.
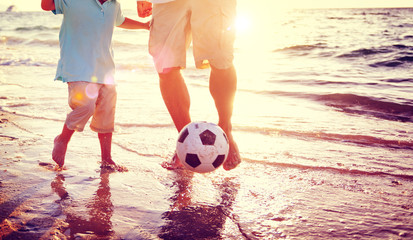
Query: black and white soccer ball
[[202, 146]]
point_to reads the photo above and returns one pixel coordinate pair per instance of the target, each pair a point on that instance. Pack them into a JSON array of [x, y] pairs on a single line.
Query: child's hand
[[144, 9], [147, 25], [133, 24], [48, 5]]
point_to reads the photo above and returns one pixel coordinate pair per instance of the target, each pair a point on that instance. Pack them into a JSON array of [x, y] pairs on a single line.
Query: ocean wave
[[386, 13], [18, 62], [365, 52], [331, 169], [397, 80], [302, 49], [355, 104], [395, 55], [19, 105], [340, 18], [52, 41], [333, 137], [142, 125], [318, 82], [402, 46], [35, 28], [351, 103], [396, 62], [22, 62], [11, 40], [48, 42], [404, 25]]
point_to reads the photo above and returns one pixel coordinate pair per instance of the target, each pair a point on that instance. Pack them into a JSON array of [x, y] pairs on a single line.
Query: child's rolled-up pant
[[91, 99]]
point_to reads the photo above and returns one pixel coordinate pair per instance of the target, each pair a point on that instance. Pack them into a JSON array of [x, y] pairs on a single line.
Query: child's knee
[[83, 96], [79, 100], [81, 112]]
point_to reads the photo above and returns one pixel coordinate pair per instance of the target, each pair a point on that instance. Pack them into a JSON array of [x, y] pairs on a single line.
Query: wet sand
[[254, 201], [86, 202]]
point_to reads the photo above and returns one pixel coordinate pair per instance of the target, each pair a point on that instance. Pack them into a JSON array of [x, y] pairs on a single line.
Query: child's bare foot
[[58, 187], [109, 164], [233, 158], [174, 164], [59, 151]]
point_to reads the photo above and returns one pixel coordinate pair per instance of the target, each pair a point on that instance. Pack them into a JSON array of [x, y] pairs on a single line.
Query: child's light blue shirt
[[86, 40]]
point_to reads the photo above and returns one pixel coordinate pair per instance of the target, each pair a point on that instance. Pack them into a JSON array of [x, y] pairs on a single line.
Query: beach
[[322, 117], [254, 201]]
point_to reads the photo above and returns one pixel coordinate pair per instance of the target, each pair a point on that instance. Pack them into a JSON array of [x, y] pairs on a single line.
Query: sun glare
[[243, 23]]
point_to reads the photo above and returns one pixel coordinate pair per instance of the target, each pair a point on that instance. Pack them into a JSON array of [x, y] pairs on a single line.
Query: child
[[86, 64]]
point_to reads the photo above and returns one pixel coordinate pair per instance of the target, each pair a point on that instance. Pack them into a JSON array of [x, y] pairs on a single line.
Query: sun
[[243, 23]]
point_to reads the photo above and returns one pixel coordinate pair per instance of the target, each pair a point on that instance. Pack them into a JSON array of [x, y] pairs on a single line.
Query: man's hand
[[144, 9]]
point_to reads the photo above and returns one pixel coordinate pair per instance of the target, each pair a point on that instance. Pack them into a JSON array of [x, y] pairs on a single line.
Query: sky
[[34, 5]]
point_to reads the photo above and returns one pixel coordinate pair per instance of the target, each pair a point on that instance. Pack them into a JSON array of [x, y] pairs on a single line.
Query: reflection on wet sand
[[100, 209], [186, 220]]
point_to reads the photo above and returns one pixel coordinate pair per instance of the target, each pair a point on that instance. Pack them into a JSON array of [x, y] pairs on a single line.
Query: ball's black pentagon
[[207, 137], [192, 160], [183, 135], [218, 161]]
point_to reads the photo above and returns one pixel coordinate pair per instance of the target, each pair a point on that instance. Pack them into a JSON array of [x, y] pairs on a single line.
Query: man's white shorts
[[209, 24]]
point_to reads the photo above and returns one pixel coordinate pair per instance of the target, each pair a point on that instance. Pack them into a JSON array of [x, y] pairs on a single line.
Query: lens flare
[[109, 79], [79, 96], [92, 90], [94, 79]]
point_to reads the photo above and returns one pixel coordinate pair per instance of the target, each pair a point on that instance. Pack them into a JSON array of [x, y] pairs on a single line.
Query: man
[[209, 24]]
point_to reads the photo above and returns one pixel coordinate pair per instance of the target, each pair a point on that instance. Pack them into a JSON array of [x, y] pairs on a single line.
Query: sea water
[[323, 119]]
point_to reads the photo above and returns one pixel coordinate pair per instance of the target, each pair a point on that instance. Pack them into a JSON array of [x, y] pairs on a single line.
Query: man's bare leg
[[60, 146], [176, 97], [223, 85]]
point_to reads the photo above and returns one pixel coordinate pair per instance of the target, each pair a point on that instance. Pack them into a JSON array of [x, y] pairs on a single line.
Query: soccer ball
[[202, 146]]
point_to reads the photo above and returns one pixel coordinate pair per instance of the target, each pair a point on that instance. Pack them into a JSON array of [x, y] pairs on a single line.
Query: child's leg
[[60, 145], [103, 121], [105, 140], [82, 99]]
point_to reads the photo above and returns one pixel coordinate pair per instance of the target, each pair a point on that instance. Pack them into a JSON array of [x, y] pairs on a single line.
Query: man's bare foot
[[174, 164], [233, 158], [59, 151]]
